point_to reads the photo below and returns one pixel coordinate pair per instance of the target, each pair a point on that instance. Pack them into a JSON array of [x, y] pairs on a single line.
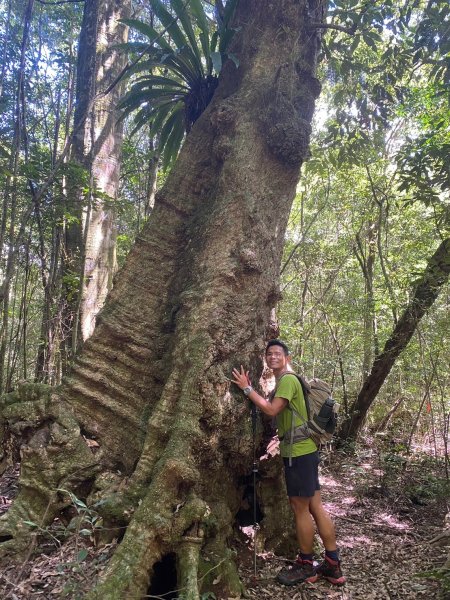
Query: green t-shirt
[[290, 389]]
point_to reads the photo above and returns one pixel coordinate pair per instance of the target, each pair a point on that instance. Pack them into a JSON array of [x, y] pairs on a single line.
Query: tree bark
[[194, 299], [427, 290], [90, 238]]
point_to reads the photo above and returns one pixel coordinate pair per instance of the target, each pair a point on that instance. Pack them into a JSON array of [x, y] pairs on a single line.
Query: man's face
[[276, 358]]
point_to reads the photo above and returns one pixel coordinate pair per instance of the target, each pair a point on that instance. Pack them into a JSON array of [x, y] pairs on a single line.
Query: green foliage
[[324, 292], [175, 78], [71, 284], [86, 522], [88, 519], [442, 575], [371, 65], [423, 159], [382, 146]]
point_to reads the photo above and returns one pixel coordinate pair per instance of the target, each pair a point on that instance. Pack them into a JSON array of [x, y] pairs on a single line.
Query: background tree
[[90, 246]]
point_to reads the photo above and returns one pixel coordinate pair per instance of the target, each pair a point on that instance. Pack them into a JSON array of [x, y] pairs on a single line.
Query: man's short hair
[[278, 343]]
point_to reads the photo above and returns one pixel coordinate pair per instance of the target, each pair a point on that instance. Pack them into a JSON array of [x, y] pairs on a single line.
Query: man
[[301, 472]]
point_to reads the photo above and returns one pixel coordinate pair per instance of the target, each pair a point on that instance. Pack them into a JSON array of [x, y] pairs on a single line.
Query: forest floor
[[387, 511]]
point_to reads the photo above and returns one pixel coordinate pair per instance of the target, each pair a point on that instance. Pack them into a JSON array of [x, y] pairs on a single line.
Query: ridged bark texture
[[194, 299]]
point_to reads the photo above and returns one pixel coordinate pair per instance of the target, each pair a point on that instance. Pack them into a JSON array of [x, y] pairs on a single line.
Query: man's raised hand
[[241, 378]]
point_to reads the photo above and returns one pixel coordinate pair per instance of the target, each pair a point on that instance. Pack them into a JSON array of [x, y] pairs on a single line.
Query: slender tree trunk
[[337, 346], [6, 41], [194, 299], [51, 273], [434, 277], [90, 259], [152, 178], [382, 425], [365, 251], [11, 194]]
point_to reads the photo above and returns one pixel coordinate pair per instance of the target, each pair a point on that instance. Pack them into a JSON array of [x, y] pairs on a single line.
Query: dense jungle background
[[150, 150]]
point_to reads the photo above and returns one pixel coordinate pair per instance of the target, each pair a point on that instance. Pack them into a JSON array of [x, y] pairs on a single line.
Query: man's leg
[[330, 568], [303, 569], [304, 525], [325, 525]]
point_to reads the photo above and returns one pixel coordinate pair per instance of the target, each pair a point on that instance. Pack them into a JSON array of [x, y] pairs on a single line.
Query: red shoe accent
[[331, 571]]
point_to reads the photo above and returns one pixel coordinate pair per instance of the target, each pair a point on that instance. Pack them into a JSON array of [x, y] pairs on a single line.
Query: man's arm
[[240, 378]]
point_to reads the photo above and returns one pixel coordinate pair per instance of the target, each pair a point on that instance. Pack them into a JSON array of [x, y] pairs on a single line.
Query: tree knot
[[250, 261]]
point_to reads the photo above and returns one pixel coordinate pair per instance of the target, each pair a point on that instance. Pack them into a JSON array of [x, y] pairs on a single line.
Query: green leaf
[[160, 81], [369, 40], [166, 130], [228, 12], [234, 58], [31, 523], [82, 555], [180, 9], [3, 152], [159, 116], [200, 17], [172, 146], [148, 31], [170, 23], [182, 60], [214, 39], [135, 99], [216, 58], [85, 532], [79, 503]]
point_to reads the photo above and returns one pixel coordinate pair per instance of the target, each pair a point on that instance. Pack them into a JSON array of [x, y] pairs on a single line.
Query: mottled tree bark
[[90, 259], [427, 290], [194, 298]]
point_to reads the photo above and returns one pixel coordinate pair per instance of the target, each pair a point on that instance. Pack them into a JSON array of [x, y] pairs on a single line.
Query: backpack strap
[[301, 431]]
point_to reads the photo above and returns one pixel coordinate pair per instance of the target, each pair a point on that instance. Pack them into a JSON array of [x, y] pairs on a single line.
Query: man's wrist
[[247, 390]]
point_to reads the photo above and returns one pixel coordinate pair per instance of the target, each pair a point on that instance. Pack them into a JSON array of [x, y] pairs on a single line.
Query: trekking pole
[[255, 472]]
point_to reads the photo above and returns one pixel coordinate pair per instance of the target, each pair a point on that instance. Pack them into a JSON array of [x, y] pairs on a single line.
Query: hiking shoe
[[331, 570], [300, 571]]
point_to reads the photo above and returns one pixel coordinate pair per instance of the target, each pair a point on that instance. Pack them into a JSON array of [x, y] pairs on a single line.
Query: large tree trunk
[[90, 259], [427, 290], [195, 296]]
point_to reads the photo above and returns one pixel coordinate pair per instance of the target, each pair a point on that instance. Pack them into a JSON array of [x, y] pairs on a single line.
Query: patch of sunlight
[[349, 500], [351, 541], [329, 481], [248, 530], [392, 521], [367, 466], [335, 508]]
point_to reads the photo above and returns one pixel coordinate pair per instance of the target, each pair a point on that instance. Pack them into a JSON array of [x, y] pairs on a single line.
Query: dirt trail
[[385, 518]]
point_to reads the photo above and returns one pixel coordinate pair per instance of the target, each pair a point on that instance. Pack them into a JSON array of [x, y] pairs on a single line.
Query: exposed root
[[54, 456], [188, 555]]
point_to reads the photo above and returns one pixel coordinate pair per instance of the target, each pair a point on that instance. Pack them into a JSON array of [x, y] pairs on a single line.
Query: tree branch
[[59, 2], [348, 30]]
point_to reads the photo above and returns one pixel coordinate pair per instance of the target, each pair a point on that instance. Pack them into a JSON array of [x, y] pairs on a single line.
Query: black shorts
[[302, 478]]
